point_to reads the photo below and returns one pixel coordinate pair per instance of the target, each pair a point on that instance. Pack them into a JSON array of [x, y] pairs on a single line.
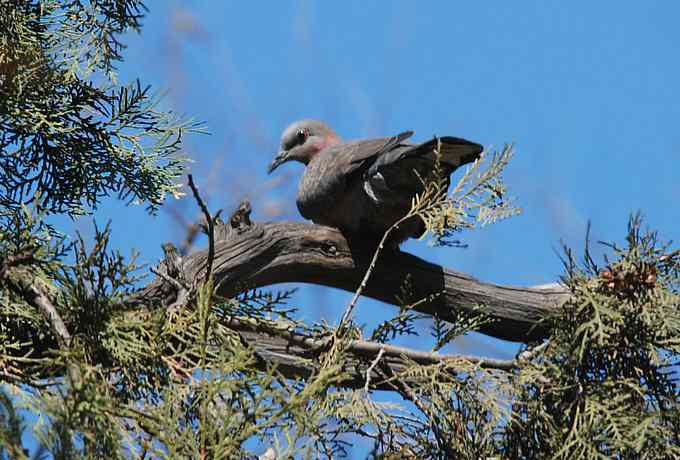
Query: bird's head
[[302, 140]]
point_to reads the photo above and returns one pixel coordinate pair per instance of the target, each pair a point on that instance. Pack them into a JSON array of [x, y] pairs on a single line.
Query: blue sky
[[588, 91]]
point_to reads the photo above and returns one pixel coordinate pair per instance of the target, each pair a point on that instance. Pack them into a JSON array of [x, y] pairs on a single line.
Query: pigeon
[[363, 187]]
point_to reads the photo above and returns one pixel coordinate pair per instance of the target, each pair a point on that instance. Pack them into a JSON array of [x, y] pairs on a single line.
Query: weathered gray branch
[[37, 298], [264, 254], [296, 354], [248, 255], [27, 285]]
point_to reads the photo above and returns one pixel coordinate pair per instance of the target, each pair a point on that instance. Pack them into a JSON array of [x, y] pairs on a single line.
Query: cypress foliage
[[109, 377]]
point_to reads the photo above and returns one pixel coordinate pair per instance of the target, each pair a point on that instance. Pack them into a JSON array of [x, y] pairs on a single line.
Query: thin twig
[[211, 227], [427, 357], [531, 353], [367, 348], [167, 278], [369, 371], [364, 282], [409, 394], [49, 311], [39, 299]]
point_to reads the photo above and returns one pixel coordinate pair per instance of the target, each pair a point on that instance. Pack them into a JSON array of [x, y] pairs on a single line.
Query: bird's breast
[[319, 190]]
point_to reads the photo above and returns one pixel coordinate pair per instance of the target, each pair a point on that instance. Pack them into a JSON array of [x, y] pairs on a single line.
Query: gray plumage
[[363, 187]]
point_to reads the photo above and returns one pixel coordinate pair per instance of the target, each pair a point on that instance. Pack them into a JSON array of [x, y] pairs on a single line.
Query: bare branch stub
[[239, 222], [173, 262], [167, 278], [371, 369], [240, 219], [36, 297], [23, 281]]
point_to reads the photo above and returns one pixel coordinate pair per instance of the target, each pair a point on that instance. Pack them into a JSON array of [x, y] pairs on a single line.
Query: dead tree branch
[[277, 252], [27, 285], [295, 354], [249, 255]]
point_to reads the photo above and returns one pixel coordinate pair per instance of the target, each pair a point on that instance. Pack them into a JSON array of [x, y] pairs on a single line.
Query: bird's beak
[[281, 158]]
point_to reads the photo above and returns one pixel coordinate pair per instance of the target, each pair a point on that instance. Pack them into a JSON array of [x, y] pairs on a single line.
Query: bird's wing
[[396, 175], [454, 152], [354, 158], [334, 173], [386, 165]]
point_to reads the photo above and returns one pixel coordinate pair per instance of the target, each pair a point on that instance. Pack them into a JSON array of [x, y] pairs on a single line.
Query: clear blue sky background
[[588, 91]]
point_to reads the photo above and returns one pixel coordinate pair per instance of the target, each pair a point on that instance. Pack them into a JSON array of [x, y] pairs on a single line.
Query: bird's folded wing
[[354, 158], [454, 152]]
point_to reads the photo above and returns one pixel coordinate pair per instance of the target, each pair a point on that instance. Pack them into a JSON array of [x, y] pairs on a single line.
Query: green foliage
[[182, 383], [185, 383], [479, 198], [30, 254], [133, 379], [68, 132], [607, 384], [11, 428], [404, 322]]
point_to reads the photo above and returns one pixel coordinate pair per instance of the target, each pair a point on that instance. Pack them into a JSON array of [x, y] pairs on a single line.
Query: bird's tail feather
[[454, 151]]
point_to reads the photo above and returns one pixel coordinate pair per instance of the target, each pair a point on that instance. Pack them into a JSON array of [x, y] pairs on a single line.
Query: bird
[[363, 187]]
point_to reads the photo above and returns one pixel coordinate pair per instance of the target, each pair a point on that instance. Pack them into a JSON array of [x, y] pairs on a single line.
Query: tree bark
[[295, 356], [248, 255], [258, 255]]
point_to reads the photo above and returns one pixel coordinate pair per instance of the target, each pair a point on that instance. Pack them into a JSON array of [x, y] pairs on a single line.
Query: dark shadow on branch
[[276, 252]]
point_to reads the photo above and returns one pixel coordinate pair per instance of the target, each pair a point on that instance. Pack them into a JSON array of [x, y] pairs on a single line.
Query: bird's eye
[[302, 136]]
